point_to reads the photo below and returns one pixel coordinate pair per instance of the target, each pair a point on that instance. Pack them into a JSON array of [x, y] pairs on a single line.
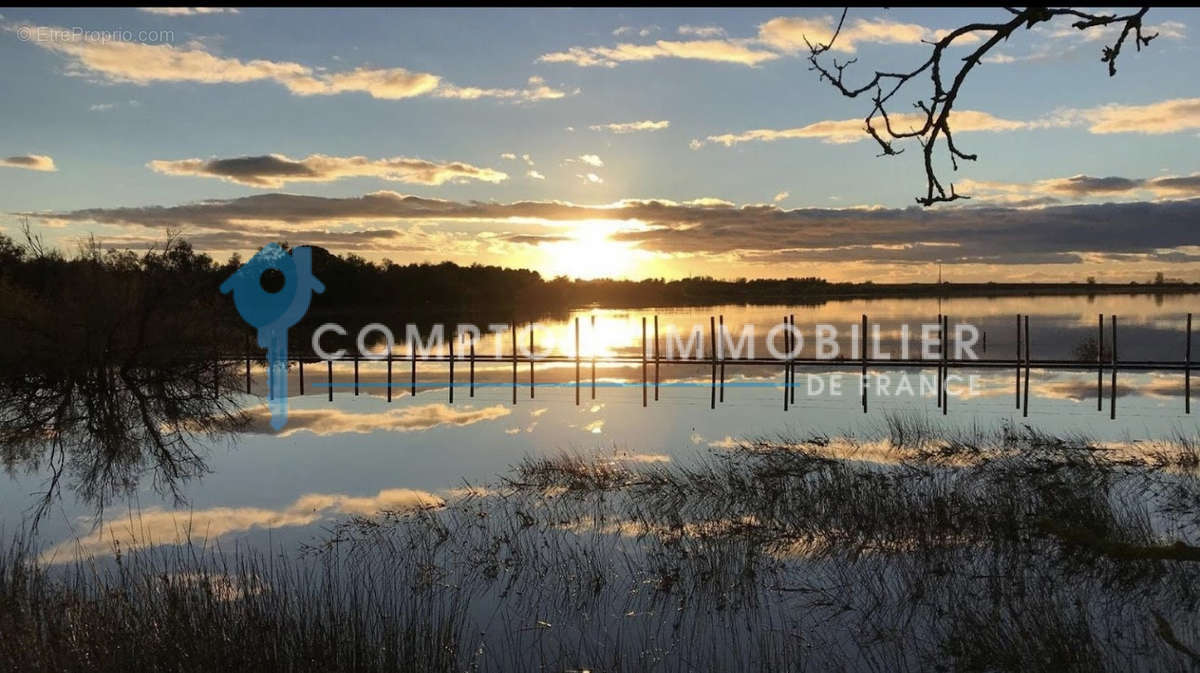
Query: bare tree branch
[[946, 83]]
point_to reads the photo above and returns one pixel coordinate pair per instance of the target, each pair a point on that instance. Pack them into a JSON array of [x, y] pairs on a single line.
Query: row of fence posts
[[717, 361]]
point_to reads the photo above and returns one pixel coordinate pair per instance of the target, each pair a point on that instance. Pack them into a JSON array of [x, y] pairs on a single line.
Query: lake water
[[360, 453]]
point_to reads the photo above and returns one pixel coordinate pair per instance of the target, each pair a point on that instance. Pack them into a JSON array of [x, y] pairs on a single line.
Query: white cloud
[[334, 421], [643, 31], [722, 51], [152, 527], [780, 34], [536, 90], [140, 63], [591, 160], [854, 130], [1168, 116], [795, 33], [631, 127], [1060, 39], [702, 31], [188, 11]]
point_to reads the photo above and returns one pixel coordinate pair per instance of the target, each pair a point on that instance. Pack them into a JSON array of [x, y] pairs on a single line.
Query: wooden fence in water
[[651, 360]]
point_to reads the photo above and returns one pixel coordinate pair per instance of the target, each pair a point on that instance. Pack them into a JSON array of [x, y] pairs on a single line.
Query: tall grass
[[191, 609], [922, 547]]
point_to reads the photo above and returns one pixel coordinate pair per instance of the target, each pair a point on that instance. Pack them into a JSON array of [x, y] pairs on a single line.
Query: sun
[[589, 252]]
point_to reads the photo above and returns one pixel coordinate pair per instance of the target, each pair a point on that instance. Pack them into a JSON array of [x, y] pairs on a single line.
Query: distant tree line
[[174, 273], [353, 282]]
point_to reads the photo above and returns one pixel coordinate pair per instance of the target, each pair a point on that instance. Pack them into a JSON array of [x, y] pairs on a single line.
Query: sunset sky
[[589, 143]]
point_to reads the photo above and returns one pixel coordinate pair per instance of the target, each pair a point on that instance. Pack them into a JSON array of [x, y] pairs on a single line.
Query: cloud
[[511, 156], [702, 31], [274, 170], [1168, 116], [761, 234], [535, 175], [536, 90], [780, 197], [854, 130], [151, 527], [789, 33], [1059, 39], [778, 36], [332, 236], [591, 160], [335, 421], [643, 31], [993, 235], [721, 51], [631, 127], [535, 239], [32, 162], [1079, 187], [139, 63], [188, 11]]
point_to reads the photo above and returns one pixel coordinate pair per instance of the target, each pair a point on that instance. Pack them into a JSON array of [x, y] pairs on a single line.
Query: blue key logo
[[273, 313]]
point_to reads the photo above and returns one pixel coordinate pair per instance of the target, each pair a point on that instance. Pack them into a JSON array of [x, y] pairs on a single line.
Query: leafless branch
[[932, 123]]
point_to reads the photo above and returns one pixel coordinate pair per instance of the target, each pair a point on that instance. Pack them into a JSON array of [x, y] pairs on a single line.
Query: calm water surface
[[360, 454]]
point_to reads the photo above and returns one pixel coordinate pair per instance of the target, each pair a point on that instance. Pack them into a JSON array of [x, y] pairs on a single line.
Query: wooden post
[[531, 383], [329, 377], [1187, 369], [787, 350], [389, 374], [356, 375], [300, 360], [577, 381], [792, 367], [721, 342], [1028, 357], [451, 393], [656, 359], [645, 390], [862, 350], [593, 328], [1100, 366], [412, 357], [513, 329], [1018, 360], [945, 365], [471, 390], [712, 350], [1112, 402]]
